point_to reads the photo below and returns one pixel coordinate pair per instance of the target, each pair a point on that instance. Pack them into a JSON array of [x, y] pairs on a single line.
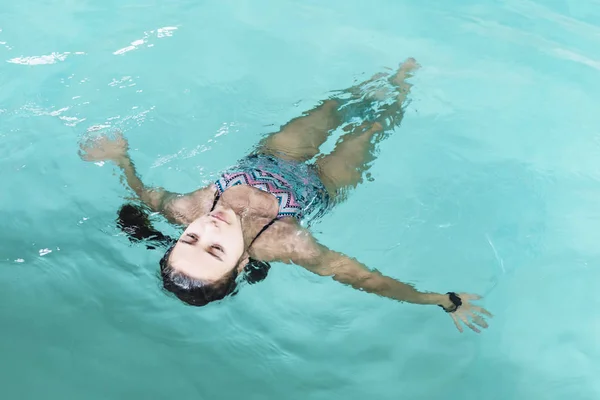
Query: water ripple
[[163, 32], [52, 58]]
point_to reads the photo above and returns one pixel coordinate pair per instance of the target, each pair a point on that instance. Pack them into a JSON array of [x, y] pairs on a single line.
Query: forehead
[[197, 263]]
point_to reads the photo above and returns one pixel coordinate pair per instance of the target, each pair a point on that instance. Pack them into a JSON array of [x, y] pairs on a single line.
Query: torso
[[266, 196]]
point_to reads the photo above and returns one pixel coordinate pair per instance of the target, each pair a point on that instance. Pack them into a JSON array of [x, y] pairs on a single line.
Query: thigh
[[337, 177], [300, 139], [344, 167]]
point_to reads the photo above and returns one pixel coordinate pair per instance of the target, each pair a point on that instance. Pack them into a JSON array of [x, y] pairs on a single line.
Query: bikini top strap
[[262, 230]]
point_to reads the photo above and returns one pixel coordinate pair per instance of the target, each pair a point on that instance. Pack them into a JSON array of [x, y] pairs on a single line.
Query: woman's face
[[210, 247]]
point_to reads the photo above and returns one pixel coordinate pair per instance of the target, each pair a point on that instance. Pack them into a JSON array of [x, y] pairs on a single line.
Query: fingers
[[458, 326], [119, 137], [463, 318], [481, 310], [478, 319], [468, 324], [468, 314], [85, 143]]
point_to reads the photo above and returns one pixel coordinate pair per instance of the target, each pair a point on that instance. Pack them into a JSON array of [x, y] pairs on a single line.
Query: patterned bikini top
[[296, 186], [267, 182]]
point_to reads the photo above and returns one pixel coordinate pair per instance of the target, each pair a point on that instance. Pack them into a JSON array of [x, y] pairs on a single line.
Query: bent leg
[[351, 158], [344, 167], [301, 138]]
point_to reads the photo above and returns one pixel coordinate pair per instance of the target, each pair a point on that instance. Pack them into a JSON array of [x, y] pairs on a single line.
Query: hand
[[104, 149], [469, 314]]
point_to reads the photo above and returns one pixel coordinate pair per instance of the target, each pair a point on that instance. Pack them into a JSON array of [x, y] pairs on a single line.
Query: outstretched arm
[[305, 251], [155, 198], [117, 151], [177, 208]]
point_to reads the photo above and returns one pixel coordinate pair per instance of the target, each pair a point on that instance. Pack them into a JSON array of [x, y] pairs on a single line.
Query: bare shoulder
[[184, 208], [286, 241]]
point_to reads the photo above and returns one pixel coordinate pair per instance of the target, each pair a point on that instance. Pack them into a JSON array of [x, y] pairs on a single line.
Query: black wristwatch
[[456, 301]]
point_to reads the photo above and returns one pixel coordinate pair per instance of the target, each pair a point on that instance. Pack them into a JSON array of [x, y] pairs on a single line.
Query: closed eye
[[216, 251], [189, 238]]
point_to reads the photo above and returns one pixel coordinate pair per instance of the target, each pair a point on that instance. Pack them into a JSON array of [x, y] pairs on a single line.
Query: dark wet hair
[[134, 221], [196, 292]]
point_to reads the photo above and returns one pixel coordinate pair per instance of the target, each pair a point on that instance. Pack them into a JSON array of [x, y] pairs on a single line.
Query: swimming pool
[[491, 185]]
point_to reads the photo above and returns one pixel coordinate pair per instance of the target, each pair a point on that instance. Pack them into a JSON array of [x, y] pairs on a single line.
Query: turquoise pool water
[[491, 185]]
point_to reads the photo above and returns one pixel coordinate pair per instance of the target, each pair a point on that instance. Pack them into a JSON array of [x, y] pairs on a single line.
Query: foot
[[398, 80], [404, 72]]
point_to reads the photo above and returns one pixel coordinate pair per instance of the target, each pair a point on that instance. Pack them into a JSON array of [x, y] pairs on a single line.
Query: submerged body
[[262, 208]]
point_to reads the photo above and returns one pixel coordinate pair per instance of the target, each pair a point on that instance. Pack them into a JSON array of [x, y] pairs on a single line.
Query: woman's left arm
[[305, 251]]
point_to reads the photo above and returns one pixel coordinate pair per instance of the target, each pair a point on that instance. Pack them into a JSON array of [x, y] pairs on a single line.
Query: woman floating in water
[[251, 215]]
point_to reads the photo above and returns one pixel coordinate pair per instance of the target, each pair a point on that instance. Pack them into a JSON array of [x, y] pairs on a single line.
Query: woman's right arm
[[176, 207], [155, 198]]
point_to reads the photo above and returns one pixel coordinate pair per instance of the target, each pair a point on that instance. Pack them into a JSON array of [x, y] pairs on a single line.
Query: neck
[[255, 208]]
